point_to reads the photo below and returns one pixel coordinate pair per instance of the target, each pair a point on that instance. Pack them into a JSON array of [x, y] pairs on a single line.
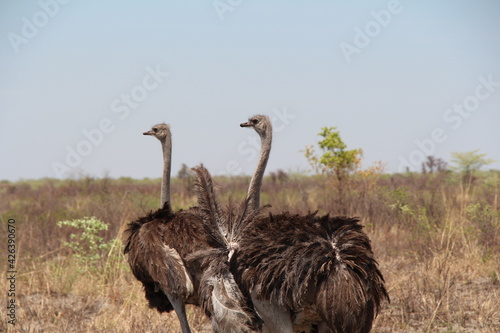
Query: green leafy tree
[[336, 158], [470, 161]]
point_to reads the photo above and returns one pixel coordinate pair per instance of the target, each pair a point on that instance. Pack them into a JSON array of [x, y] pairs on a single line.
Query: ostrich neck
[[256, 182], [165, 181]]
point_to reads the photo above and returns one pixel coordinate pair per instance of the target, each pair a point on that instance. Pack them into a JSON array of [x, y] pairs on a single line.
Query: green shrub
[[87, 246]]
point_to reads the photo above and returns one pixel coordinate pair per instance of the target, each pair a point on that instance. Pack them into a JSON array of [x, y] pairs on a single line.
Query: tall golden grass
[[435, 237]]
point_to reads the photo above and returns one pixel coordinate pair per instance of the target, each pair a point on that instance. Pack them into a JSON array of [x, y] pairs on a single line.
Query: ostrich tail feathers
[[213, 219], [352, 287], [226, 225]]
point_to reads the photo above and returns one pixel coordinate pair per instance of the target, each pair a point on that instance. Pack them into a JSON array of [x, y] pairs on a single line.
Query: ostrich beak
[[247, 124], [148, 133]]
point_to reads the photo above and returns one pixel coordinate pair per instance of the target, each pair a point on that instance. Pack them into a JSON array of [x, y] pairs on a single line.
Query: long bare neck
[[167, 158], [253, 195]]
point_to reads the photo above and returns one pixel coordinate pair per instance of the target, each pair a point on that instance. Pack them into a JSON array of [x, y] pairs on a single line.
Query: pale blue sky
[[388, 74]]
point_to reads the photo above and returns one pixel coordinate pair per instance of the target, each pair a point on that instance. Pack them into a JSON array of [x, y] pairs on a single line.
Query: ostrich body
[[304, 270], [158, 245], [311, 271], [155, 250]]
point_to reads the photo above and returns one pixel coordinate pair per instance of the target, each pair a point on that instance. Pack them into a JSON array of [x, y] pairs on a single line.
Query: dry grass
[[437, 242]]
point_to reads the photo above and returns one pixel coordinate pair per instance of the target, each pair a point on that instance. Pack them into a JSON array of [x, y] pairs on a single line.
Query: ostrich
[[158, 245], [306, 270], [302, 271], [154, 259], [320, 269]]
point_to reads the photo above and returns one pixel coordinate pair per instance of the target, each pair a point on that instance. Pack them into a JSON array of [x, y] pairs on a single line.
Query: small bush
[[87, 246]]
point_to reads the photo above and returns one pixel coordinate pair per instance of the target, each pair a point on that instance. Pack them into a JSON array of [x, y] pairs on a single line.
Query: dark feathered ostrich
[[306, 270], [321, 270], [301, 271], [158, 245]]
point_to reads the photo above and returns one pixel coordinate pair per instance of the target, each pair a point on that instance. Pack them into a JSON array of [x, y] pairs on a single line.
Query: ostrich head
[[260, 123], [160, 131]]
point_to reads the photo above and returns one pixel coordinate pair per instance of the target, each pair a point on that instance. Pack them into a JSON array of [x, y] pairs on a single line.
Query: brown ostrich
[[302, 272], [157, 246]]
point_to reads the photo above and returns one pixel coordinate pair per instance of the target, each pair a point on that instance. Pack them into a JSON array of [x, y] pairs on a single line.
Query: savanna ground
[[435, 236]]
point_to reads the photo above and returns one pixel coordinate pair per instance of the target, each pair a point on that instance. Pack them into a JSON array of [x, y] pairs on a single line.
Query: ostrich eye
[[255, 121], [155, 129]]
